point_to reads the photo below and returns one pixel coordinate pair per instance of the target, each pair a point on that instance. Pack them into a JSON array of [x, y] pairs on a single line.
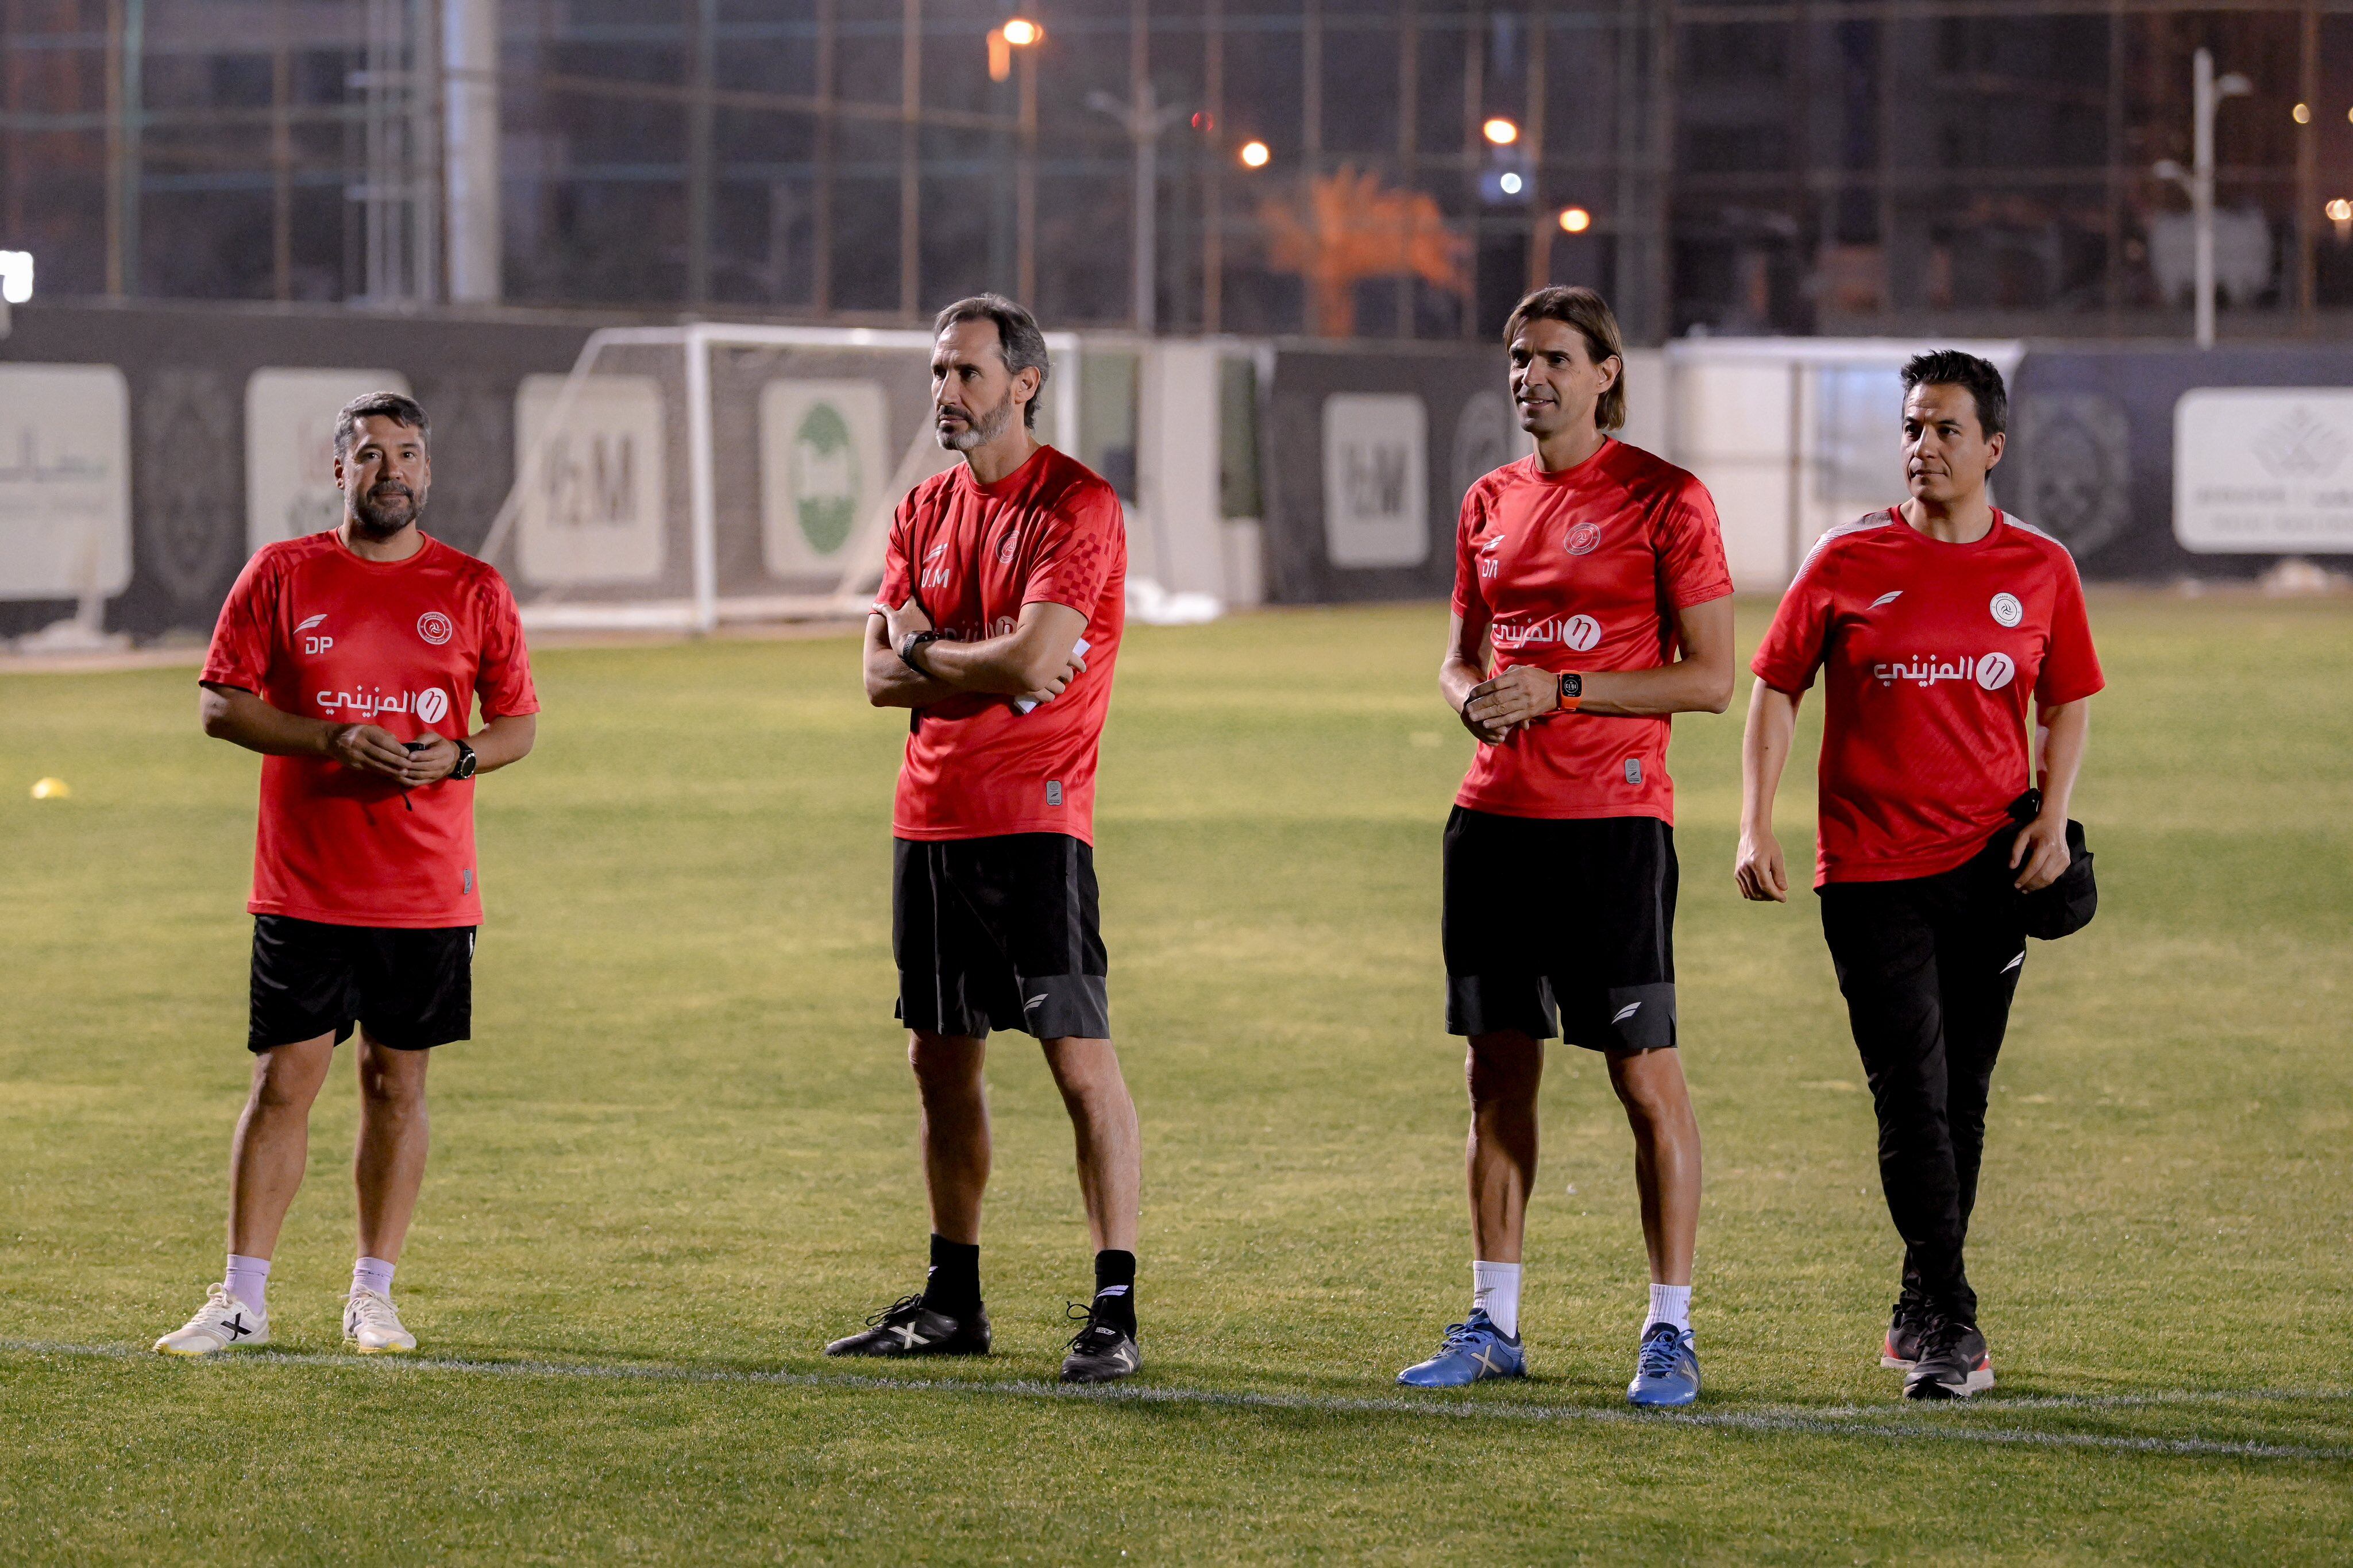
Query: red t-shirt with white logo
[[1929, 651], [314, 630], [1582, 570], [973, 554]]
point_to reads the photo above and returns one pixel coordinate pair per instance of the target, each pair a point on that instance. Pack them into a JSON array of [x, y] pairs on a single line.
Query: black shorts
[[1561, 927], [999, 933], [411, 989]]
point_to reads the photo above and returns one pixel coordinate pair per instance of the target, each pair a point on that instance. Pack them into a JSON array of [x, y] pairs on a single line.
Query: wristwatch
[[1572, 692], [910, 643], [468, 764]]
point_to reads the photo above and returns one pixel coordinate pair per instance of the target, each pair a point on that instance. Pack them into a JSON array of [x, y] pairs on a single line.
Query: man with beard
[[352, 661], [997, 625]]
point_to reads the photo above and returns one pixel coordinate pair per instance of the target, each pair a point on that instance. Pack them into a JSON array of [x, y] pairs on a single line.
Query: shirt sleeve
[[503, 679], [1075, 558], [1692, 564], [1470, 596], [242, 640], [2071, 666], [1799, 639], [898, 582]]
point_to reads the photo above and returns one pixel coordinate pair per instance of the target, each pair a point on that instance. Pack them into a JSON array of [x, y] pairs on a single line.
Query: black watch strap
[[910, 643], [466, 763]]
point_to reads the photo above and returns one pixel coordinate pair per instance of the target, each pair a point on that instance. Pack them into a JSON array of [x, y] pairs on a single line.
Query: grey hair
[[393, 406]]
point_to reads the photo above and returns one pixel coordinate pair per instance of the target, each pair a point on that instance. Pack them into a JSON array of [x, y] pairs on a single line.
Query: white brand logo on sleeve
[[1889, 599], [2007, 610], [435, 627], [1994, 670], [432, 705], [1581, 633]]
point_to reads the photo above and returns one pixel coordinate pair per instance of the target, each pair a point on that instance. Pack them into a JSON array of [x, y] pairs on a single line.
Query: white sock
[[248, 1280], [372, 1273], [1670, 1304], [1495, 1289]]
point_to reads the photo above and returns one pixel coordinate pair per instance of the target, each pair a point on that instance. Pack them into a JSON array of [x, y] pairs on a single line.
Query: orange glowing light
[[1501, 131], [1575, 220], [1255, 154], [1021, 32]]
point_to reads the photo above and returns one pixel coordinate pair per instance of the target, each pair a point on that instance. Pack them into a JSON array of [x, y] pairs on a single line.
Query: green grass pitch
[[678, 1156]]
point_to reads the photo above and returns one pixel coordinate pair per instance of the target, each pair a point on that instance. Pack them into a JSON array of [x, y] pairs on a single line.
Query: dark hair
[[392, 405], [1019, 343], [1951, 368], [1590, 314]]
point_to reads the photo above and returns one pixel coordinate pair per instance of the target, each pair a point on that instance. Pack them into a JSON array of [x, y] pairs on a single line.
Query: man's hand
[[372, 750], [1759, 869], [907, 618], [1523, 692], [1054, 688], [2038, 853], [430, 762]]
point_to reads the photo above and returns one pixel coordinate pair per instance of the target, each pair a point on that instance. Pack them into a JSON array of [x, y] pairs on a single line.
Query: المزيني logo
[[1994, 671], [435, 627], [432, 705], [1583, 539], [1580, 634], [825, 477]]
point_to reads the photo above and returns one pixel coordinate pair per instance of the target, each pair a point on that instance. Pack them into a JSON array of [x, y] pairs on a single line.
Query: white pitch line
[[1829, 1421]]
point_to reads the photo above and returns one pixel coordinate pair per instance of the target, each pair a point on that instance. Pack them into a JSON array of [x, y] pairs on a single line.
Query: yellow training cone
[[51, 789]]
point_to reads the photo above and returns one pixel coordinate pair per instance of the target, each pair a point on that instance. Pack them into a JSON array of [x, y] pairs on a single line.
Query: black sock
[[952, 1286], [1115, 1290]]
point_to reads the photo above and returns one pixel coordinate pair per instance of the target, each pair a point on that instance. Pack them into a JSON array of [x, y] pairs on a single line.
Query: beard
[[387, 508], [981, 429]]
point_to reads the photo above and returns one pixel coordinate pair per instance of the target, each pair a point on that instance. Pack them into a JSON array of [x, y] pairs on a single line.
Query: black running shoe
[[1952, 1363], [1100, 1352], [907, 1327], [1905, 1326]]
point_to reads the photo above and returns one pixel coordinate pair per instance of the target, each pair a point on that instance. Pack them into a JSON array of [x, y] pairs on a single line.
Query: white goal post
[[681, 478]]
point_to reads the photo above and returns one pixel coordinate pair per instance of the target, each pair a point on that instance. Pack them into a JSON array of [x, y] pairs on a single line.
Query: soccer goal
[[681, 478]]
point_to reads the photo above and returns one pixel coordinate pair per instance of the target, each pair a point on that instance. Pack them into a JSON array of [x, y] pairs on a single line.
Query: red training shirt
[[313, 629], [1583, 569], [1931, 649], [1049, 533]]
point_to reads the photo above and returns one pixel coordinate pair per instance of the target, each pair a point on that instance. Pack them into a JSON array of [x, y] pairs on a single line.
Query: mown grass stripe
[[1839, 1421]]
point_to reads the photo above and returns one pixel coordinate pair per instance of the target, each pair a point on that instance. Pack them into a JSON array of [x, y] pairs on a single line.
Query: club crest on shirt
[[1005, 550], [1583, 539], [435, 627], [2007, 610]]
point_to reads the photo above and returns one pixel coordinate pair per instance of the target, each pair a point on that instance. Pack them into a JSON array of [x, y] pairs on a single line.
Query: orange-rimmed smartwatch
[[1572, 692]]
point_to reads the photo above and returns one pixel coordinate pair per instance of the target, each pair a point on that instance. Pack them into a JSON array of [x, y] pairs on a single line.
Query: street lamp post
[[1144, 120], [2206, 95]]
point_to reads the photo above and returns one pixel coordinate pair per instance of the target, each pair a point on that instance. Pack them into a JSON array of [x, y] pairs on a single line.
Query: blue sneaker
[[1666, 1373], [1474, 1352]]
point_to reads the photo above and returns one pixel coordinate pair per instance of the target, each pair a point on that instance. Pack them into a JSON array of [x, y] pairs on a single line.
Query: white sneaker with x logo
[[222, 1323], [372, 1328]]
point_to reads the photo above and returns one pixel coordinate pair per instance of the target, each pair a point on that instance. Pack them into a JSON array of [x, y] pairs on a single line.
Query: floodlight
[[1575, 220], [16, 276], [1501, 131], [1021, 32], [1254, 155], [1510, 182]]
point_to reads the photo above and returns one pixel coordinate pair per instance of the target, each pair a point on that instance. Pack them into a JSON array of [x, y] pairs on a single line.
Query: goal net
[[681, 478]]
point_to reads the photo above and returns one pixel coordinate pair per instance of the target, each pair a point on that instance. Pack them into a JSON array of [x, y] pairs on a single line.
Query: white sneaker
[[222, 1323], [371, 1326]]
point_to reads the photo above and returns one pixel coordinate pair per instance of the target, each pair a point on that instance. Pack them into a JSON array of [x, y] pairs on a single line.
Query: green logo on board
[[825, 477]]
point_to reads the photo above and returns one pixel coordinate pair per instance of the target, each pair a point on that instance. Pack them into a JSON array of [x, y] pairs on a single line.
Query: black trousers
[[1928, 966]]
